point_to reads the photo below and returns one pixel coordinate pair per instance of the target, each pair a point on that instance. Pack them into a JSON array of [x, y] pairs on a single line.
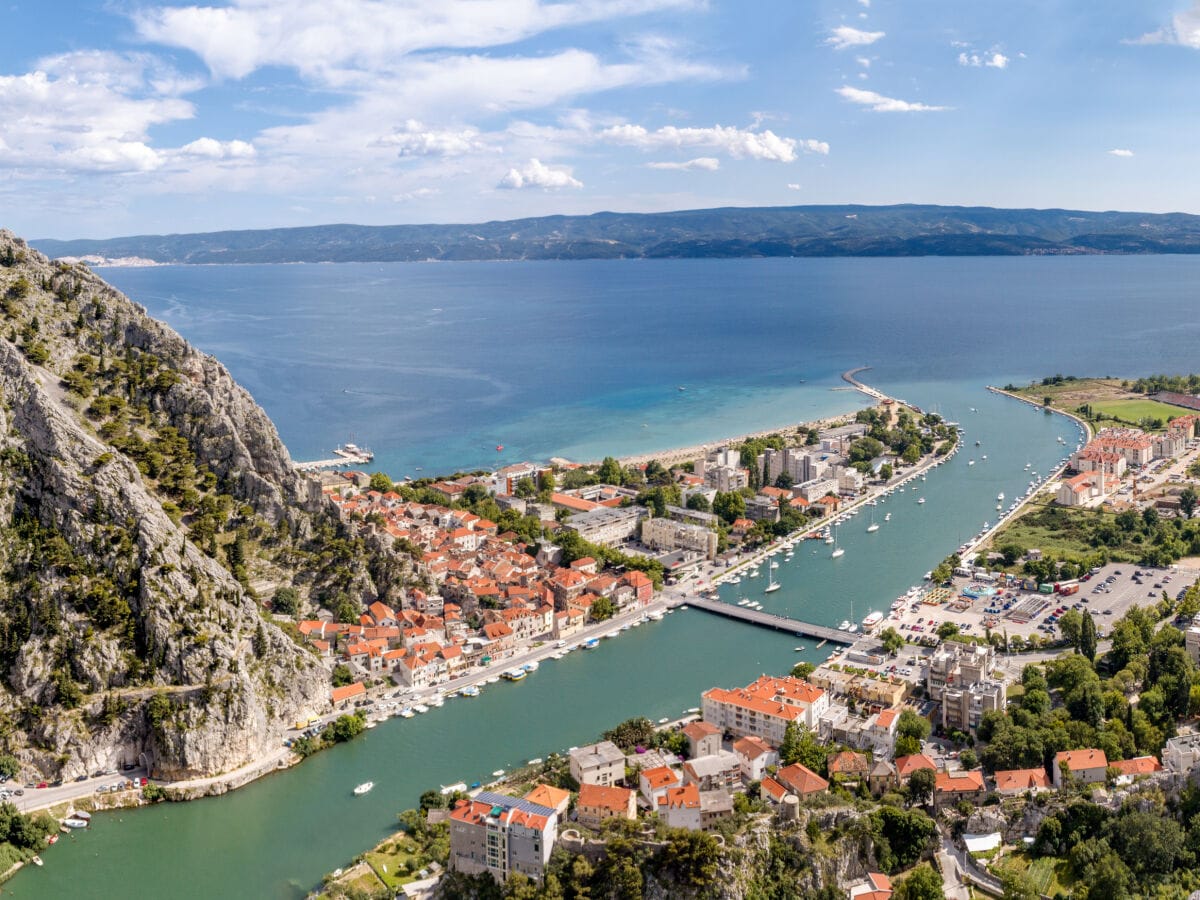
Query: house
[[1085, 766], [599, 803], [906, 765], [952, 787], [602, 763], [1181, 755], [765, 708], [754, 756], [341, 696], [773, 791], [680, 807], [848, 764], [876, 886], [1129, 770], [555, 798], [716, 771], [801, 780], [1079, 489], [1018, 781], [654, 784], [714, 806], [704, 738], [501, 836], [882, 777]]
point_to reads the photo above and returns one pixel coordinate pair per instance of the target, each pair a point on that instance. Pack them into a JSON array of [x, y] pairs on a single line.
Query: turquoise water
[[275, 838]]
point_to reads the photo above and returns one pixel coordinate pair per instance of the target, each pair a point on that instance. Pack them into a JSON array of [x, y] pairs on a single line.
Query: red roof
[[906, 765], [338, 694], [1141, 765], [801, 779], [1021, 779], [686, 797], [1082, 760], [660, 777], [611, 798], [959, 782]]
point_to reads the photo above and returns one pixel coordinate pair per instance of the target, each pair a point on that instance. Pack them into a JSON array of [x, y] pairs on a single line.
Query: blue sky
[[132, 116]]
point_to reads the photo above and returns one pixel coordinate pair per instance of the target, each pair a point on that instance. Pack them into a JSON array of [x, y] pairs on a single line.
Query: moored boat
[[363, 788]]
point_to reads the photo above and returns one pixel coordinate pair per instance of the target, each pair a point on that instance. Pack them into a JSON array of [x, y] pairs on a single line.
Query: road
[[43, 798]]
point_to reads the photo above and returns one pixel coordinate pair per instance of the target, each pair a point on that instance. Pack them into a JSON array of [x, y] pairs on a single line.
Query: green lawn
[[1136, 410], [1049, 874]]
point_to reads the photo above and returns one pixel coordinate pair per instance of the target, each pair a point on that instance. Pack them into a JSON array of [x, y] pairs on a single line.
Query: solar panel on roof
[[505, 803]]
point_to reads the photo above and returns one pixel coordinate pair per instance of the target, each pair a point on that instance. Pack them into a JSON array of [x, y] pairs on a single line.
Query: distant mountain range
[[907, 230]]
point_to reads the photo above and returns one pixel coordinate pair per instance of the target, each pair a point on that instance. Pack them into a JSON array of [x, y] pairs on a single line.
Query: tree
[[526, 489], [380, 482], [602, 609], [699, 503], [968, 759], [729, 506], [1187, 501], [922, 883], [802, 669], [886, 471], [344, 728], [260, 641], [892, 640], [947, 630], [920, 785], [1071, 624], [941, 573], [10, 765], [800, 746], [907, 746], [911, 724], [432, 799], [1087, 637], [610, 471], [286, 601], [342, 675], [1017, 885]]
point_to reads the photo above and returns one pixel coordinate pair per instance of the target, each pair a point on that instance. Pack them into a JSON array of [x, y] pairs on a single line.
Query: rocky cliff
[[140, 487]]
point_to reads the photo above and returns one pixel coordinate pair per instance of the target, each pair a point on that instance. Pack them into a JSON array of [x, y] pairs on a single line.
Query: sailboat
[[837, 551], [772, 584], [874, 526]]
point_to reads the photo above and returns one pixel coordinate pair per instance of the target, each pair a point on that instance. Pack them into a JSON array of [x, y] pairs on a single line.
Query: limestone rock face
[[193, 678]]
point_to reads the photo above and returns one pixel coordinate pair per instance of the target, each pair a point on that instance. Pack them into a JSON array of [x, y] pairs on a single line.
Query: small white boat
[[74, 822], [407, 712], [469, 691], [530, 666], [838, 552], [451, 788], [970, 462], [888, 517], [984, 456], [420, 708], [371, 725], [922, 500], [536, 761], [363, 788], [845, 626], [499, 773], [872, 528], [81, 814], [36, 860]]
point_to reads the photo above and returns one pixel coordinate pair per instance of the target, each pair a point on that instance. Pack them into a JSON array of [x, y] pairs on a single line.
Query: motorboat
[[364, 788], [922, 500]]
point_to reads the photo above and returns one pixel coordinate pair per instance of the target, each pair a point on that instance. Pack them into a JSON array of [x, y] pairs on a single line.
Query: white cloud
[[318, 38], [993, 59], [736, 142], [1183, 30], [844, 37], [866, 3], [705, 163], [880, 103], [536, 174], [414, 139], [792, 186], [213, 149], [863, 61], [1119, 152]]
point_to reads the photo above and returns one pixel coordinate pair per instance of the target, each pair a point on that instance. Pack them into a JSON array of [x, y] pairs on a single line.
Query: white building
[[601, 763]]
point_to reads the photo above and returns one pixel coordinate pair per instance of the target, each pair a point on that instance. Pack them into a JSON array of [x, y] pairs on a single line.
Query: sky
[[126, 117]]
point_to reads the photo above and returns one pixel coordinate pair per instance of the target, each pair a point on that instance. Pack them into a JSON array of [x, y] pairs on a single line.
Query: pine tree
[[1087, 637]]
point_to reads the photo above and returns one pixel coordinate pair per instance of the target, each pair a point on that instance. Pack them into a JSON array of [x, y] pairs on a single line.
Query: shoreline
[[666, 601]]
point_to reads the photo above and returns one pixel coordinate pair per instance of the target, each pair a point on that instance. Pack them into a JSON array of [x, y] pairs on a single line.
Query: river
[[986, 320]]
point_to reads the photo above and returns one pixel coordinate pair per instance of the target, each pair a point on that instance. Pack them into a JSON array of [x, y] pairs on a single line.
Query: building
[[1086, 766], [906, 765], [876, 886], [555, 798], [1181, 755], [1129, 770], [754, 756], [882, 777], [602, 763], [1191, 642], [608, 525], [599, 803], [501, 835], [704, 738], [1018, 781], [765, 708], [762, 508], [850, 765], [814, 490], [667, 534], [801, 780], [952, 788], [1079, 489], [680, 807], [959, 678], [717, 771], [714, 806], [655, 783], [797, 464]]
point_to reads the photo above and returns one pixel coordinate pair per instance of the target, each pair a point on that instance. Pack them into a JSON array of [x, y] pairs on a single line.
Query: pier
[[770, 620], [334, 463]]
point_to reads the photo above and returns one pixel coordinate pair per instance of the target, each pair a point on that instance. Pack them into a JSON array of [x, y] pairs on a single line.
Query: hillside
[[908, 230], [144, 496]]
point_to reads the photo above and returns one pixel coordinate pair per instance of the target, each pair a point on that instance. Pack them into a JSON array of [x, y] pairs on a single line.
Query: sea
[[435, 365]]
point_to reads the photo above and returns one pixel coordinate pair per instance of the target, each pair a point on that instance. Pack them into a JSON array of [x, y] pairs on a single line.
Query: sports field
[[1136, 410]]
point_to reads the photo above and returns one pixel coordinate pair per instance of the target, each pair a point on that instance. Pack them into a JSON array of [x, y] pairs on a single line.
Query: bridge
[[770, 620]]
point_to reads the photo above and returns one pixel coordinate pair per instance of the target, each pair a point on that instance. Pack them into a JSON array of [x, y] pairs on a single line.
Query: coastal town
[[914, 704]]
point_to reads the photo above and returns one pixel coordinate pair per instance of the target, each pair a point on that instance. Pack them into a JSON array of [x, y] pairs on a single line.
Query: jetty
[[770, 620], [335, 463]]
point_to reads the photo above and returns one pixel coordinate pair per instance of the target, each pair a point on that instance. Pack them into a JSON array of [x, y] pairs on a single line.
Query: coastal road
[[43, 798]]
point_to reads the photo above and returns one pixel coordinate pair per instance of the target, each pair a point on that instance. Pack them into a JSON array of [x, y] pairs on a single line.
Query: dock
[[335, 463], [770, 620]]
